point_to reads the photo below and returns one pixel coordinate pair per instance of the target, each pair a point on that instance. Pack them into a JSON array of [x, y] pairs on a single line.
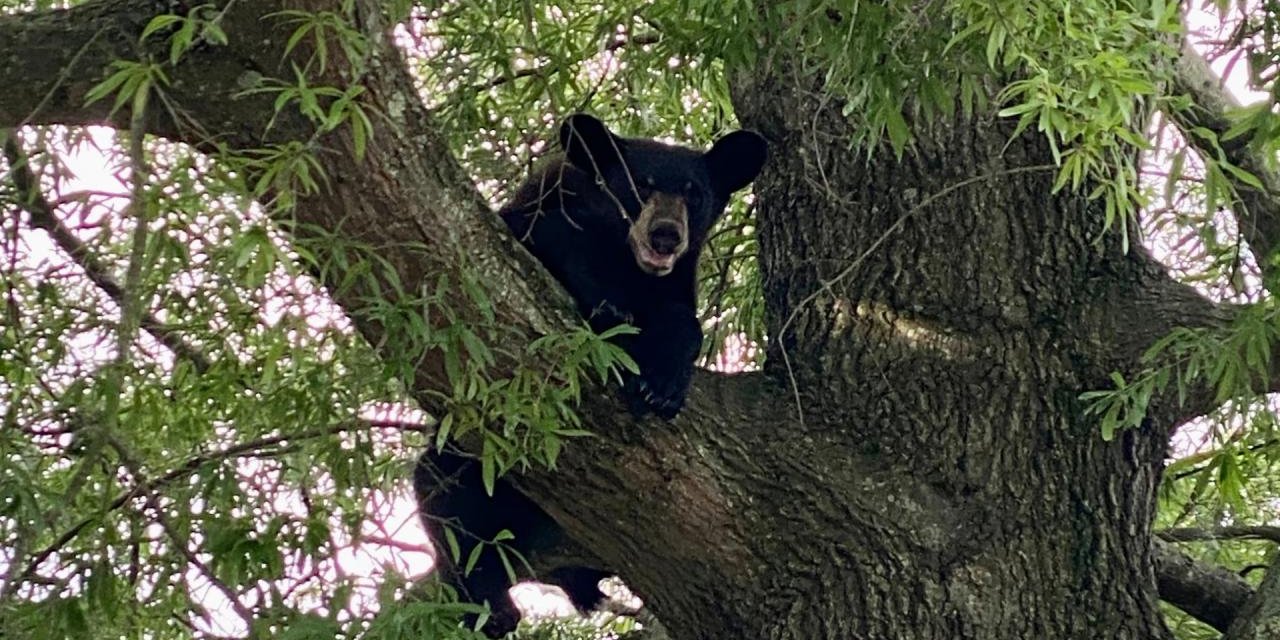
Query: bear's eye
[[645, 189], [692, 196]]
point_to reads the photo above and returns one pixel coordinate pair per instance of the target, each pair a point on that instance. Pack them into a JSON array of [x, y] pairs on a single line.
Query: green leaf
[[213, 34], [451, 540], [1177, 168], [488, 467], [159, 23], [995, 43], [1018, 109], [899, 132], [473, 558], [506, 564], [1242, 175], [1230, 479], [113, 83], [182, 40], [444, 430]]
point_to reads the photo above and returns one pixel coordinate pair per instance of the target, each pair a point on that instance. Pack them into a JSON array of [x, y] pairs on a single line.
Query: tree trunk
[[942, 481], [914, 462]]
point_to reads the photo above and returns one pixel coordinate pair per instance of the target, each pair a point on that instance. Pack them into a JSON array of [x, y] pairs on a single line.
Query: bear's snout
[[660, 236]]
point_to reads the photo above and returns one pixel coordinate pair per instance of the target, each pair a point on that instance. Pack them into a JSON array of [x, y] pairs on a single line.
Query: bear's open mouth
[[651, 261]]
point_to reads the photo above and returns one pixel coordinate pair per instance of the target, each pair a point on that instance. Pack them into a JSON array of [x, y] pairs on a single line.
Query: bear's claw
[[663, 400]]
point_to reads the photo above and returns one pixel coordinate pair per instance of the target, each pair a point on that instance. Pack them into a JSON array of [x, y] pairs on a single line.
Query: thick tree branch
[[421, 210], [1212, 595], [1137, 312], [1149, 306], [1145, 309], [50, 60], [1258, 210], [1139, 316]]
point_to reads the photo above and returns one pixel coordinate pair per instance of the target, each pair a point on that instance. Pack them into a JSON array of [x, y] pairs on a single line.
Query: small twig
[[180, 540], [193, 464], [397, 544], [130, 306], [1256, 210], [1207, 456], [547, 70], [716, 297]]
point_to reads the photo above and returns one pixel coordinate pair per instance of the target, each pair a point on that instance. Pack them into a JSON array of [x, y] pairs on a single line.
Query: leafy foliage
[[1222, 469]]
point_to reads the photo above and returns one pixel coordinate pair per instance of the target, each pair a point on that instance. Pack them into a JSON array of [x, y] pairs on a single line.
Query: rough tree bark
[[1259, 619], [952, 358], [913, 463]]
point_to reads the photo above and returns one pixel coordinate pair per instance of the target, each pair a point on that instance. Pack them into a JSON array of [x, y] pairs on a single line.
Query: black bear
[[620, 222]]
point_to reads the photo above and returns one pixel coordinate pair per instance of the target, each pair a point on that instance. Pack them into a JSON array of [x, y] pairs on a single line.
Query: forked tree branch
[[1257, 210], [1164, 304]]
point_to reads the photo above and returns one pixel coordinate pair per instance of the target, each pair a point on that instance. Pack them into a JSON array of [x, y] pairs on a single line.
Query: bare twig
[[180, 540], [253, 448]]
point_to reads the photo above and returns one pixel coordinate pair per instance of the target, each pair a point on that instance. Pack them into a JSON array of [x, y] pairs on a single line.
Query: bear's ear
[[588, 144], [735, 160]]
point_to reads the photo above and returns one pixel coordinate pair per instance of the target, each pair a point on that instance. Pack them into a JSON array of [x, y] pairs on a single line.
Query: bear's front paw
[[608, 314], [662, 394]]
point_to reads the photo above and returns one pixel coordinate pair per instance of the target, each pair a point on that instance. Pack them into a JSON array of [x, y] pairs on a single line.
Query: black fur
[[451, 495], [575, 215]]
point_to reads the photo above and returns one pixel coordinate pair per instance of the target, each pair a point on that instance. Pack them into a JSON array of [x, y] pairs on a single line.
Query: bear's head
[[670, 195]]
